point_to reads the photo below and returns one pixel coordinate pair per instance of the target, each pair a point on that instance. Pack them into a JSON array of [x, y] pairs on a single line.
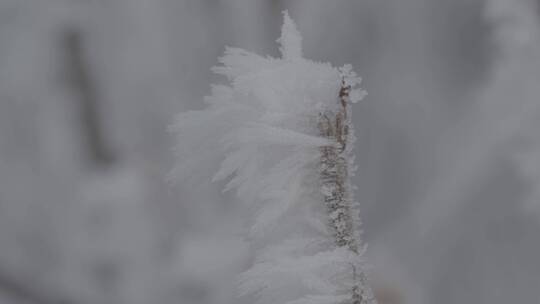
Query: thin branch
[[337, 198]]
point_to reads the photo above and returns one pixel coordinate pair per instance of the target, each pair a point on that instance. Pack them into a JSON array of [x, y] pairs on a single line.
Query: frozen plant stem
[[282, 134], [334, 177], [334, 173]]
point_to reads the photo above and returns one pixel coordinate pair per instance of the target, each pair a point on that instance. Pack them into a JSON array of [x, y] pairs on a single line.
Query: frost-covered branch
[[283, 137], [336, 188]]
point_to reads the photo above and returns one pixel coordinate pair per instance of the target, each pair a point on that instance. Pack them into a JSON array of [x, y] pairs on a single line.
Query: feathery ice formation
[[281, 136]]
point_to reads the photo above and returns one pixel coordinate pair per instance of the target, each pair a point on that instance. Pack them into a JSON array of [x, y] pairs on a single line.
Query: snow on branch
[[282, 136]]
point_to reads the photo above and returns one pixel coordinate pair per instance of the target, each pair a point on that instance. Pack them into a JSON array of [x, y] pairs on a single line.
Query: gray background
[[448, 146]]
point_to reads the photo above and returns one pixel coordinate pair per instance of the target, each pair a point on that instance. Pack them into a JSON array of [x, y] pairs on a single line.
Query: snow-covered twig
[[283, 137], [336, 188]]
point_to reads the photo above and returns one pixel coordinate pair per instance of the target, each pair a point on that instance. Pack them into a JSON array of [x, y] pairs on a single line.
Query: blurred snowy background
[[448, 146]]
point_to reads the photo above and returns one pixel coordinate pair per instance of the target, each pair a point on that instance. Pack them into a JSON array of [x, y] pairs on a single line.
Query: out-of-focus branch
[[98, 152], [23, 291]]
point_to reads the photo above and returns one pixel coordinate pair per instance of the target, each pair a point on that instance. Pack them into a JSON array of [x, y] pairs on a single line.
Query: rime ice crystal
[[282, 135]]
